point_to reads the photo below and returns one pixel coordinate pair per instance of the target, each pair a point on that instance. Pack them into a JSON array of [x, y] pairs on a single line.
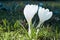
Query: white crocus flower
[[44, 14], [29, 12]]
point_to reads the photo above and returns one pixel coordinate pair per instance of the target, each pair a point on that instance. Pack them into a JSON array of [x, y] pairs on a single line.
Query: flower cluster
[[31, 10]]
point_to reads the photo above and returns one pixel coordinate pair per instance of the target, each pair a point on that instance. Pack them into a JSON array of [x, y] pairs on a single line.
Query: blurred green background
[[13, 11]]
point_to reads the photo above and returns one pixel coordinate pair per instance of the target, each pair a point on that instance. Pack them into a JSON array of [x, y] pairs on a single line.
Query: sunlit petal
[[29, 11]]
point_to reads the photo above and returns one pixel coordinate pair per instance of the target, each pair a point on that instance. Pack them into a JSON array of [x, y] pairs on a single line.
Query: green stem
[[38, 27], [29, 31]]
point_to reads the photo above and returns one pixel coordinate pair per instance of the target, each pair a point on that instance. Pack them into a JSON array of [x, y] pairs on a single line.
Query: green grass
[[19, 32]]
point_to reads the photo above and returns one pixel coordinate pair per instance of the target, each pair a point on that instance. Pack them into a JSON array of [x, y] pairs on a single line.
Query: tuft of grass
[[19, 32]]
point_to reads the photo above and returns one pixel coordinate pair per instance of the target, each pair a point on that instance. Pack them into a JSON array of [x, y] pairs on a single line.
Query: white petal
[[47, 10], [44, 14], [29, 11]]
